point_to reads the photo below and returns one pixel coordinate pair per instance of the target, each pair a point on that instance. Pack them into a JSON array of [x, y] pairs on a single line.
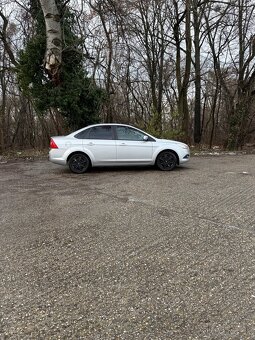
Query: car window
[[84, 134], [101, 132], [126, 133]]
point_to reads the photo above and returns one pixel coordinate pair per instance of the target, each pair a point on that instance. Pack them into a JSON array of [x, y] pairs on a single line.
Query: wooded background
[[178, 69]]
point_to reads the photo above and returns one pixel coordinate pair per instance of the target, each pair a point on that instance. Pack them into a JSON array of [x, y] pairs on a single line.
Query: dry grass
[[29, 154]]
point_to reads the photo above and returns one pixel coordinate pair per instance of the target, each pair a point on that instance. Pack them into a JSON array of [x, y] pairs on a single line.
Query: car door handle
[[91, 143], [123, 143]]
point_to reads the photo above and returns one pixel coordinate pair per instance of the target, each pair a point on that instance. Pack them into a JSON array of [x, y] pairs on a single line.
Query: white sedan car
[[114, 145]]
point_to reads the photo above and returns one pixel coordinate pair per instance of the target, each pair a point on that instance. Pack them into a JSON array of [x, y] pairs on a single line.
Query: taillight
[[53, 145]]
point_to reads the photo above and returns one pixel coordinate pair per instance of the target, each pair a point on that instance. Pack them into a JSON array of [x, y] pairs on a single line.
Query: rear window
[[84, 134]]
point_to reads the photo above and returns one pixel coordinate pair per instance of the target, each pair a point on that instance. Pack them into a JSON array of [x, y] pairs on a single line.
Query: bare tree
[[231, 41], [183, 67], [104, 10], [8, 59]]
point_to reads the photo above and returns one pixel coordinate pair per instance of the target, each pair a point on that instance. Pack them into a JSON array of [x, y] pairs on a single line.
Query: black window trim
[[114, 131]]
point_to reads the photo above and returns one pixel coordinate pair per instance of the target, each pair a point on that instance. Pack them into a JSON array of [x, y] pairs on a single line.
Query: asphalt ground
[[128, 253]]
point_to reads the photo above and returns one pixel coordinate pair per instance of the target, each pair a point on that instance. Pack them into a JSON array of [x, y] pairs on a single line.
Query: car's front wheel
[[166, 160], [79, 163]]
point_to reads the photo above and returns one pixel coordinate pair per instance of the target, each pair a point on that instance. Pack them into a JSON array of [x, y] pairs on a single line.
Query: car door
[[131, 146], [100, 144]]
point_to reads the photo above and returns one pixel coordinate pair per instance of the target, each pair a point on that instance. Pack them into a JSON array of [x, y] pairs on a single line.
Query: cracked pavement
[[130, 253]]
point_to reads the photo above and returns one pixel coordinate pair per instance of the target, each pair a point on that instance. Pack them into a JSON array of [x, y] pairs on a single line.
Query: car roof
[[102, 124], [99, 124]]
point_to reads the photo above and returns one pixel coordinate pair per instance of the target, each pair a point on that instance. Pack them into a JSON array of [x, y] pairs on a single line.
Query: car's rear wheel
[[79, 163], [166, 160]]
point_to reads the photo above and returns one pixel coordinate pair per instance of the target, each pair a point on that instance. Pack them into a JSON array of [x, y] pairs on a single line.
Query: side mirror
[[145, 138]]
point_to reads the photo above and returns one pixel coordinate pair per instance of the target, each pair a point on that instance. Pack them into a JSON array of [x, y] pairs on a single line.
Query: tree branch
[[5, 40]]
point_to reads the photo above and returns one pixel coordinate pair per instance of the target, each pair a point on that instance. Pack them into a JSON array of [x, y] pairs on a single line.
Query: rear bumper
[[55, 157]]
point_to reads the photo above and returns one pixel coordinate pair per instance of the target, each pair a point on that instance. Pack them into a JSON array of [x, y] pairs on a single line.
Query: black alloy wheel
[[166, 161], [79, 163]]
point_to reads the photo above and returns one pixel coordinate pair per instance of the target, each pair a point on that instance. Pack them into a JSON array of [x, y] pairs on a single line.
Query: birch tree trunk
[[53, 53]]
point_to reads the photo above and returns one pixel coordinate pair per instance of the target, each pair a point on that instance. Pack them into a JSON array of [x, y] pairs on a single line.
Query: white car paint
[[115, 151]]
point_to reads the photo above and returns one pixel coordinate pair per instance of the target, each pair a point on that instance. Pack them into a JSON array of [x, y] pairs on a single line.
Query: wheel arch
[[174, 152], [78, 152]]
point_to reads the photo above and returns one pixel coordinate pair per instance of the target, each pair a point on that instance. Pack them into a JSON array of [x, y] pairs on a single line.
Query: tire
[[166, 161], [79, 163]]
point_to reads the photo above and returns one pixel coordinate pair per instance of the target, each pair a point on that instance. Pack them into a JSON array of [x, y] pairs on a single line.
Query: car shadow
[[122, 169]]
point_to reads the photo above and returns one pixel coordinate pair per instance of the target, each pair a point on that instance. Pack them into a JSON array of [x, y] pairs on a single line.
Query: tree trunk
[[197, 111], [53, 53], [183, 80]]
